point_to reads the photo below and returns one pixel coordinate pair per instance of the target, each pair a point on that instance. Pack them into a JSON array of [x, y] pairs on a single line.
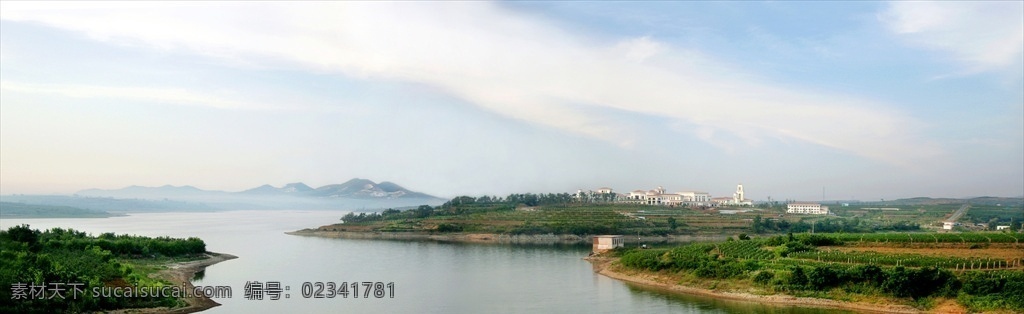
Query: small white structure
[[738, 198], [948, 225], [806, 208], [607, 242], [1002, 227]]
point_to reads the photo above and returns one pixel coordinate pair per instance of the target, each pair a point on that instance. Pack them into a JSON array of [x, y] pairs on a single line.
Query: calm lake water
[[428, 277]]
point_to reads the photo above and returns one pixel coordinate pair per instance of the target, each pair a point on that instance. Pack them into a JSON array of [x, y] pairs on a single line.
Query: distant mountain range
[[983, 200], [352, 189], [356, 194]]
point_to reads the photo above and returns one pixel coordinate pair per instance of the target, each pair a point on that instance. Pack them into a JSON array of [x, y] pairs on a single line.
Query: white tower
[[738, 196]]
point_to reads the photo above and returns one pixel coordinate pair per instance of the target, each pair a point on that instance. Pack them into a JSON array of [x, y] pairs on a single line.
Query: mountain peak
[[263, 189], [364, 188], [358, 181], [388, 186], [296, 187]]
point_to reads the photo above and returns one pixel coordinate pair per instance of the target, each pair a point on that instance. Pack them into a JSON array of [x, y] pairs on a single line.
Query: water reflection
[[706, 304], [198, 277]]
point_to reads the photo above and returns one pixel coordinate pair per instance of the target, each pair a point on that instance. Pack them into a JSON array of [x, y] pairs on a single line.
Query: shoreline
[[180, 274], [490, 238], [604, 267]]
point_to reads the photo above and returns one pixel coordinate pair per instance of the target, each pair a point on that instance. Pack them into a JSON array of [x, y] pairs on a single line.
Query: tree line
[[66, 256], [466, 204], [828, 225], [982, 291]]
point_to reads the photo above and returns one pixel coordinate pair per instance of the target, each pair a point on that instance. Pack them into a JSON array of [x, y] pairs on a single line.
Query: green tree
[[822, 277], [23, 234], [798, 280], [424, 211], [764, 277], [899, 282], [756, 226]]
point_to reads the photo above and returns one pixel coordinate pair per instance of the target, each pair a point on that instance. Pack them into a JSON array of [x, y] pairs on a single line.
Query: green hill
[[21, 210]]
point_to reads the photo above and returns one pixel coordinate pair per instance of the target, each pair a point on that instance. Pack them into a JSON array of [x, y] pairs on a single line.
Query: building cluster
[[659, 196]]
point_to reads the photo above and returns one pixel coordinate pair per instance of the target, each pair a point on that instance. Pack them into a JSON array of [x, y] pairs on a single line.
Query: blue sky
[[869, 100]]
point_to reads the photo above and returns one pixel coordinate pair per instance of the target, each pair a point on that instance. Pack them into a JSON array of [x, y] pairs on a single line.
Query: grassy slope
[[626, 218], [759, 256]]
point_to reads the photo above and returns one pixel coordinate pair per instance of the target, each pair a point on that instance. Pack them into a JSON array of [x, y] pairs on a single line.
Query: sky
[[795, 100]]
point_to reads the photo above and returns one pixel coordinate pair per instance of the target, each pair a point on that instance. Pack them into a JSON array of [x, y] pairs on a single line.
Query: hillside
[[22, 210], [562, 214], [944, 273]]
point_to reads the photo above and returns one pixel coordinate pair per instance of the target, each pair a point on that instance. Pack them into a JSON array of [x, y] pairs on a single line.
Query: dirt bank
[[180, 274], [607, 267], [491, 237]]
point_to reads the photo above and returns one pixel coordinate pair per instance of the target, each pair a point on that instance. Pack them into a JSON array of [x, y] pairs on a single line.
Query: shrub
[[764, 277], [449, 228], [822, 277], [797, 279], [820, 240]]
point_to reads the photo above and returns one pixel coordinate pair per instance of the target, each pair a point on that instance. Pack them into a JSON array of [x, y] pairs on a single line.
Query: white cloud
[[639, 49], [512, 64], [983, 35], [173, 96]]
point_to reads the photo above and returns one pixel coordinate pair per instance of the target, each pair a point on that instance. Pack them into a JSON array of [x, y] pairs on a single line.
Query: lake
[[428, 277]]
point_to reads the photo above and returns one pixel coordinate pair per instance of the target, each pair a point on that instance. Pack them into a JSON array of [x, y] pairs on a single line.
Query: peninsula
[[80, 272], [569, 218], [887, 272], [859, 257]]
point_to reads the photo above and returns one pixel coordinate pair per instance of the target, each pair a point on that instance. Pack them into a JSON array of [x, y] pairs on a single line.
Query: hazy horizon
[[624, 191], [868, 100]]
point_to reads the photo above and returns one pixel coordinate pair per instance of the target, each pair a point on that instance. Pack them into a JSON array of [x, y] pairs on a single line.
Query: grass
[[746, 261]]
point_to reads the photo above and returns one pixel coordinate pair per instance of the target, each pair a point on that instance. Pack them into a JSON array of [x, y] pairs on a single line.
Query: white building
[[607, 242], [721, 201], [948, 225], [738, 198], [1002, 227], [637, 197], [656, 197], [806, 208], [659, 196], [694, 198]]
